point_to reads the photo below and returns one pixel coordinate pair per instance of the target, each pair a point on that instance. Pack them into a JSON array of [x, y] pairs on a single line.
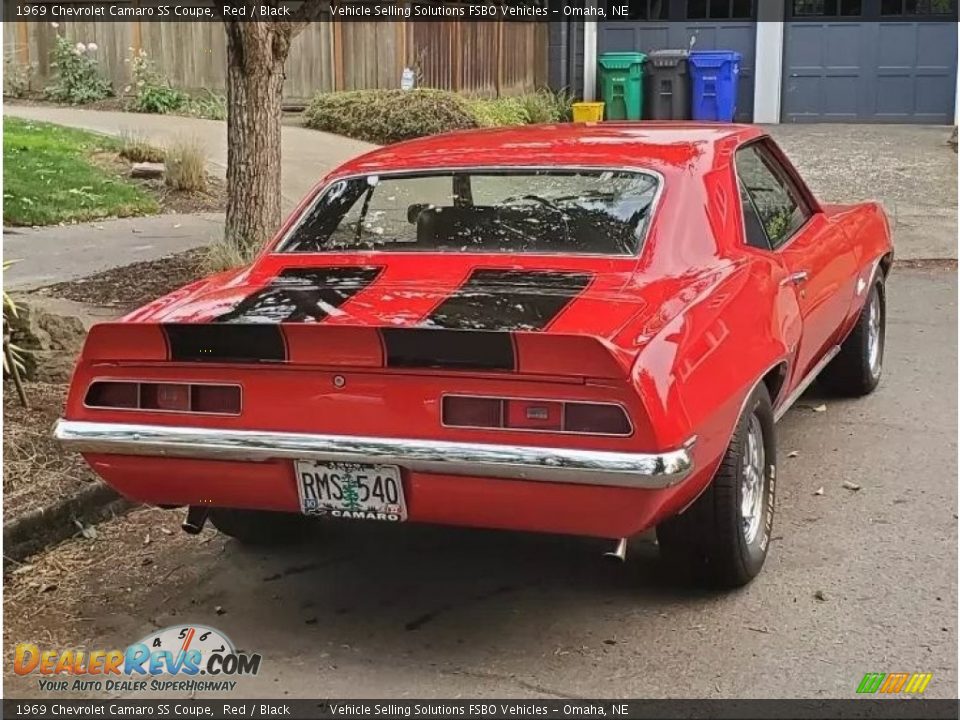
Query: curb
[[47, 526]]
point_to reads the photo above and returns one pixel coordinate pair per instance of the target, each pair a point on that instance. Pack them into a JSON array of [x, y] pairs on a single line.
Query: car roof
[[666, 147]]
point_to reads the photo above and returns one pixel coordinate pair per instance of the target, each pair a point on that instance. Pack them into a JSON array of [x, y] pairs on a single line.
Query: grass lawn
[[49, 177]]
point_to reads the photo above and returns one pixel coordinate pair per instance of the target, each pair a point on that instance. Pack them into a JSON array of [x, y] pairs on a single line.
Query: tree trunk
[[256, 52]]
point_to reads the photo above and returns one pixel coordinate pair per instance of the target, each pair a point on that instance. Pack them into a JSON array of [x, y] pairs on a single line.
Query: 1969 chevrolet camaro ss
[[585, 328]]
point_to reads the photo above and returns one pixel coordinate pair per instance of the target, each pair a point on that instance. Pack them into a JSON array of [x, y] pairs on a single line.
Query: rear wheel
[[259, 527], [856, 369], [723, 538]]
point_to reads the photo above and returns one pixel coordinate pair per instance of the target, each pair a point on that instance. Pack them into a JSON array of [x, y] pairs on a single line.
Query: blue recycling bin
[[716, 79]]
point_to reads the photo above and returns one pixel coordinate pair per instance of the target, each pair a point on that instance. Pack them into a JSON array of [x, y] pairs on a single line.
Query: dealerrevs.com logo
[[172, 659]]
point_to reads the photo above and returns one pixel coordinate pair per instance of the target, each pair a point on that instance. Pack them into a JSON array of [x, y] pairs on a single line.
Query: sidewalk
[[307, 154], [58, 253]]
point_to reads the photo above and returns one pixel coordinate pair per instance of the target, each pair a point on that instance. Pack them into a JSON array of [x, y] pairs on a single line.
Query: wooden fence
[[484, 59]]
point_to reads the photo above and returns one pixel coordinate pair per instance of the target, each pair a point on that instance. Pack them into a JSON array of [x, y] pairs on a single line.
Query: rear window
[[529, 211]]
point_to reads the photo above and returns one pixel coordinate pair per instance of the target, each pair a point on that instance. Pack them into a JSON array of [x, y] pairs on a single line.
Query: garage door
[[707, 24], [870, 61]]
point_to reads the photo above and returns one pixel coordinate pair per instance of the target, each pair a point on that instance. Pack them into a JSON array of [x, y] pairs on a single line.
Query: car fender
[[697, 373]]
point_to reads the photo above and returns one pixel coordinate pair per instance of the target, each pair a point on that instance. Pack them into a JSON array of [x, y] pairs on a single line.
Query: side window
[[753, 230], [780, 207]]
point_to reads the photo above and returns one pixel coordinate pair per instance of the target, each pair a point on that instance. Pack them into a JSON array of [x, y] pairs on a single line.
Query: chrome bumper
[[581, 467]]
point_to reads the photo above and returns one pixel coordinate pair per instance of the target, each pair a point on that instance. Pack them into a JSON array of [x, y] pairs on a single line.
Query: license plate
[[351, 490]]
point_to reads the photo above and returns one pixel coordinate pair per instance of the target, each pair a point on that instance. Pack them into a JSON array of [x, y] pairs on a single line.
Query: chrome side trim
[[805, 383], [563, 465]]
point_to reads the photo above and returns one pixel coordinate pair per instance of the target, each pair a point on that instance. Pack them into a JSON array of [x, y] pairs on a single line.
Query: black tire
[[711, 540], [855, 371], [259, 527]]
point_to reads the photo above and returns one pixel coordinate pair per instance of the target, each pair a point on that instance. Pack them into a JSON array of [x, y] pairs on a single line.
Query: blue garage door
[[689, 24], [870, 61]]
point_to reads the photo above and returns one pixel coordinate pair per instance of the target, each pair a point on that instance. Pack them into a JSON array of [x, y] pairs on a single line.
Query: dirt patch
[[127, 288], [931, 264], [213, 199], [36, 471], [50, 597]]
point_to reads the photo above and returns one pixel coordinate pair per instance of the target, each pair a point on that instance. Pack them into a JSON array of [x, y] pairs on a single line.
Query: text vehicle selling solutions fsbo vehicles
[[585, 328]]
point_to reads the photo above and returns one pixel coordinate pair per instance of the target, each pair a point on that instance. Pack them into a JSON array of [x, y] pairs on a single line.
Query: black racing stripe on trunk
[[509, 300], [301, 295], [449, 349], [212, 342]]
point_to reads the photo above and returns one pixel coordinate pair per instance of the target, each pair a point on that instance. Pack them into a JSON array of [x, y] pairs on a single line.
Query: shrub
[[17, 78], [385, 116], [135, 148], [546, 106], [210, 106], [152, 91], [78, 78], [186, 166], [501, 111]]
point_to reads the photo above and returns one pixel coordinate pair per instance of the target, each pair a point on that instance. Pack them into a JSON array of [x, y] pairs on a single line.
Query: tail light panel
[[528, 414], [193, 398]]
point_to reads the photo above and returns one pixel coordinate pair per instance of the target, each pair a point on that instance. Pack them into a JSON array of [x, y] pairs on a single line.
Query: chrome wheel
[[753, 480], [874, 320]]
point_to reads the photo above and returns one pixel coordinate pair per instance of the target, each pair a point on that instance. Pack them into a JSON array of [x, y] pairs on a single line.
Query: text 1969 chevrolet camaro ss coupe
[[586, 329]]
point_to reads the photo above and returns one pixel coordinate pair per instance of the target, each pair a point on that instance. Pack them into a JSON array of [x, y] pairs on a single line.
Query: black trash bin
[[669, 85]]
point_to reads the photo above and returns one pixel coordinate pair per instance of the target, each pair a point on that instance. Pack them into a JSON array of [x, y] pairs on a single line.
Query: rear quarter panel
[[696, 373]]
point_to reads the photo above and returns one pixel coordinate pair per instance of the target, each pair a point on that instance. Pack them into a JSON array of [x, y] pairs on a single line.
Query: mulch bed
[[213, 199], [36, 471], [127, 288]]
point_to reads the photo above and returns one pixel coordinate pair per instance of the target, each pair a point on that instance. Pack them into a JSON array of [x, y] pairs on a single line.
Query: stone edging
[[49, 525]]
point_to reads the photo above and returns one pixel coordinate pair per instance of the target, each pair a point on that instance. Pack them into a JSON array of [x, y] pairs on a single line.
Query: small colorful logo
[[181, 650], [894, 683]]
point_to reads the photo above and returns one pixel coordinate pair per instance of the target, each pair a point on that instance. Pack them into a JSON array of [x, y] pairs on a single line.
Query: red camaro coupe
[[584, 328]]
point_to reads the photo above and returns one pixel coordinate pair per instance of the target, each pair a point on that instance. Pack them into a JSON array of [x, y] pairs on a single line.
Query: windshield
[[525, 211]]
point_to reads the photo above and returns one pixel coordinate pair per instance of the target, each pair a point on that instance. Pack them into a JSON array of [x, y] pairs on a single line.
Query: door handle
[[796, 278]]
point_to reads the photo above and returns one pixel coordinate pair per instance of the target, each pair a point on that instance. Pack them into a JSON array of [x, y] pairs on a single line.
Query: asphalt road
[[857, 581]]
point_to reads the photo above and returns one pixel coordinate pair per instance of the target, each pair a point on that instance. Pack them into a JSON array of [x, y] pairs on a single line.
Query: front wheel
[[724, 536]]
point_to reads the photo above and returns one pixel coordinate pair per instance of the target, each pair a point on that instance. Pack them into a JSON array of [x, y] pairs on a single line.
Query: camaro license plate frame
[[358, 491]]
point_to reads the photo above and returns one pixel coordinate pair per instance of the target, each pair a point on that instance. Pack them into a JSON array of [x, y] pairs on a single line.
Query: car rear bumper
[[554, 465]]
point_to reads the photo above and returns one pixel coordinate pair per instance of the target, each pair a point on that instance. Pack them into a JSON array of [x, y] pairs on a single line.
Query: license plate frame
[[360, 491]]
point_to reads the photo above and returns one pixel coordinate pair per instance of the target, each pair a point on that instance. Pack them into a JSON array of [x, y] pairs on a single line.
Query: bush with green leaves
[[78, 79], [500, 111], [386, 116], [152, 91]]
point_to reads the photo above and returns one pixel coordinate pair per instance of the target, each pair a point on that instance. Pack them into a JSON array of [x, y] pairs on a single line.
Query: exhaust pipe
[[619, 551], [195, 520]]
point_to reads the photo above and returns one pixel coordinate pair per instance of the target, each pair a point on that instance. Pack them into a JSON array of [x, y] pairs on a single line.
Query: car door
[[815, 253]]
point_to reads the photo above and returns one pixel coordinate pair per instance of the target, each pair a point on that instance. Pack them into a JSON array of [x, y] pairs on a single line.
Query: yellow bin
[[587, 112]]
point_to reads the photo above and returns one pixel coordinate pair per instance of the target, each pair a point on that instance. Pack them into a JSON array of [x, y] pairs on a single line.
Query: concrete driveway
[[909, 168], [857, 581]]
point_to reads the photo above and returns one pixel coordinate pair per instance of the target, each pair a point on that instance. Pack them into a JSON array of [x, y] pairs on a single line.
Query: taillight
[[165, 396], [542, 415], [223, 399], [472, 411], [114, 394], [168, 397], [593, 418]]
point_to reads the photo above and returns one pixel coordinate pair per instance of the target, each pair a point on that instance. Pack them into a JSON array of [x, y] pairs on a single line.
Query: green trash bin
[[621, 84]]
